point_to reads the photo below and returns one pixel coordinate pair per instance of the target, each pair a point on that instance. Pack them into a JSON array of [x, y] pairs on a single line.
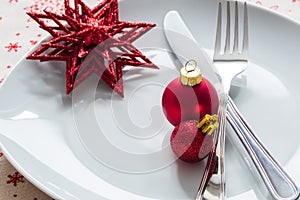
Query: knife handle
[[279, 184]]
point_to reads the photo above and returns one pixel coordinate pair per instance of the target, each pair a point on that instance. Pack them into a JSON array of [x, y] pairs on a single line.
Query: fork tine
[[245, 40], [236, 28], [218, 33], [227, 42]]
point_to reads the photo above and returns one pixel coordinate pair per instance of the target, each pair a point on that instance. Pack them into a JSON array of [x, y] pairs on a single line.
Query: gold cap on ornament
[[190, 74]]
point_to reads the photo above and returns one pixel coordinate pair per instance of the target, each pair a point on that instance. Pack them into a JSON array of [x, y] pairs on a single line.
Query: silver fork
[[228, 65]]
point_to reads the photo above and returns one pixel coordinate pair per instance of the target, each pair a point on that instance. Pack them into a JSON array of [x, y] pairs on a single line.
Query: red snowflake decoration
[[15, 179], [13, 46], [87, 38]]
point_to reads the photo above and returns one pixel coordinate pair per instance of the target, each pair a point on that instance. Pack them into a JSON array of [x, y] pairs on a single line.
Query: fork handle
[[279, 184]]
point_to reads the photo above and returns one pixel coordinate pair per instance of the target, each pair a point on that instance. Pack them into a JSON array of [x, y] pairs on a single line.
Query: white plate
[[39, 137]]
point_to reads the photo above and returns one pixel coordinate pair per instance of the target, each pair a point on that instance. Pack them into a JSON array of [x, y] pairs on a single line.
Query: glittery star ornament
[[91, 41]]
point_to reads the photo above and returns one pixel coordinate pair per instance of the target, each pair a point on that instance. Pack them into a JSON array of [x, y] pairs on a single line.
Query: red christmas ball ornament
[[192, 141], [190, 96]]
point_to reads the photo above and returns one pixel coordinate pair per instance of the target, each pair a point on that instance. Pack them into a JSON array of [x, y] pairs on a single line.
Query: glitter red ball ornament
[[190, 143], [189, 97]]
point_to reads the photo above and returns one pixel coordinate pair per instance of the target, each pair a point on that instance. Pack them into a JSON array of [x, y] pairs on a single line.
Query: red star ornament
[[87, 38]]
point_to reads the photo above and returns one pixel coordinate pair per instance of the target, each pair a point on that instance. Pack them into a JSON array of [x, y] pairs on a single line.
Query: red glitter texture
[[189, 143], [87, 38], [183, 103]]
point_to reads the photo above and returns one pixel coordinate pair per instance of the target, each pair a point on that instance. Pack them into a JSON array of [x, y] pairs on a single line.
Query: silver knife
[[212, 184]]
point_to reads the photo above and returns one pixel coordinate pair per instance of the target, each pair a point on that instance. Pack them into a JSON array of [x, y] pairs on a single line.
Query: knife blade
[[187, 48]]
